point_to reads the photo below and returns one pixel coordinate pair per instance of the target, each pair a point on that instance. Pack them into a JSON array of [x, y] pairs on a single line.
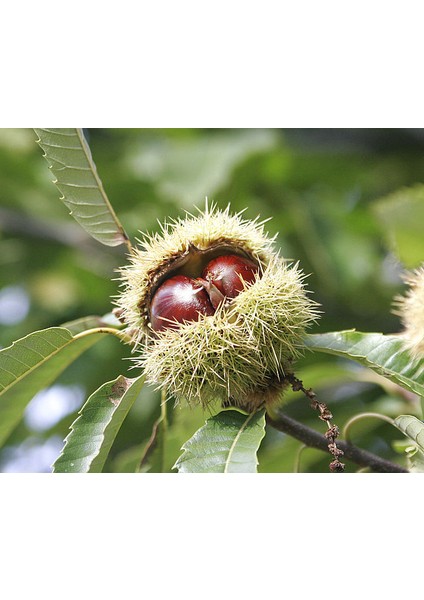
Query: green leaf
[[384, 354], [31, 364], [93, 432], [413, 428], [402, 216], [227, 443], [70, 160]]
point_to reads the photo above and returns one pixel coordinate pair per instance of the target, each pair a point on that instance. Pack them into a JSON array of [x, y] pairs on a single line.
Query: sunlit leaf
[[384, 354], [70, 160], [93, 433], [31, 364], [227, 443]]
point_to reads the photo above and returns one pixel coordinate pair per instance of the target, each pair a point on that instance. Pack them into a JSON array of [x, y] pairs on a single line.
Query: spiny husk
[[243, 350], [158, 252], [241, 354], [410, 308]]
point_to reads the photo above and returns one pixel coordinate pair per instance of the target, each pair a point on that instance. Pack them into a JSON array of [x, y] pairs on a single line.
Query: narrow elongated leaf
[[70, 160], [384, 354], [228, 443], [31, 364], [413, 428], [93, 432]]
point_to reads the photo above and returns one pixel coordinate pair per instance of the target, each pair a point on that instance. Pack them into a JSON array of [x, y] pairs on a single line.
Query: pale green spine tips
[[241, 353], [410, 308]]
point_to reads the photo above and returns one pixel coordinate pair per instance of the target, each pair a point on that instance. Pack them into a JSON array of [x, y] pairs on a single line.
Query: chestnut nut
[[228, 273], [178, 299], [182, 298]]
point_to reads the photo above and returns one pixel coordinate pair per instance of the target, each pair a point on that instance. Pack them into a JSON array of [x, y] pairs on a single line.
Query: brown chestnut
[[182, 298], [178, 299], [228, 272]]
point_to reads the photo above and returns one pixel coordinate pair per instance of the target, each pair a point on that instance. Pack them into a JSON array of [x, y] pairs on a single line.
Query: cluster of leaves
[[334, 227]]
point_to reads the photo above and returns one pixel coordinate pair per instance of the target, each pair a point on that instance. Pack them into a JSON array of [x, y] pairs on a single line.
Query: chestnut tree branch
[[312, 438]]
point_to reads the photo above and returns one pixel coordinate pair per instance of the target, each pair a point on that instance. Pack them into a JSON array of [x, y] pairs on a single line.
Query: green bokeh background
[[337, 201]]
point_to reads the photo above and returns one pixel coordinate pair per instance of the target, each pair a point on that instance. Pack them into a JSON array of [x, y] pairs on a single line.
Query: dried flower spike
[[411, 310], [214, 312]]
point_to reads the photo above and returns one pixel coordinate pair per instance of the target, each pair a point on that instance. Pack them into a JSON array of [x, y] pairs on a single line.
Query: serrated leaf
[[227, 443], [31, 364], [70, 161], [413, 428], [93, 432], [384, 354]]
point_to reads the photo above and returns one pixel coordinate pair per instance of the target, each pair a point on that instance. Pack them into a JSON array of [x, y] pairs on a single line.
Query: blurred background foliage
[[347, 203]]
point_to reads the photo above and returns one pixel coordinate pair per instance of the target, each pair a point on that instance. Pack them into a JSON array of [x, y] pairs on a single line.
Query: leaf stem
[[296, 466], [121, 335], [365, 415]]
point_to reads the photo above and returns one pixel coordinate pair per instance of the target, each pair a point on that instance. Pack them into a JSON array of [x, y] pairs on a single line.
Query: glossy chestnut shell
[[181, 298], [228, 273], [178, 299]]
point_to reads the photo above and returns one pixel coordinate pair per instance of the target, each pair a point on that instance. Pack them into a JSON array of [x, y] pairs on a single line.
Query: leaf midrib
[[49, 356], [233, 445], [87, 153]]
